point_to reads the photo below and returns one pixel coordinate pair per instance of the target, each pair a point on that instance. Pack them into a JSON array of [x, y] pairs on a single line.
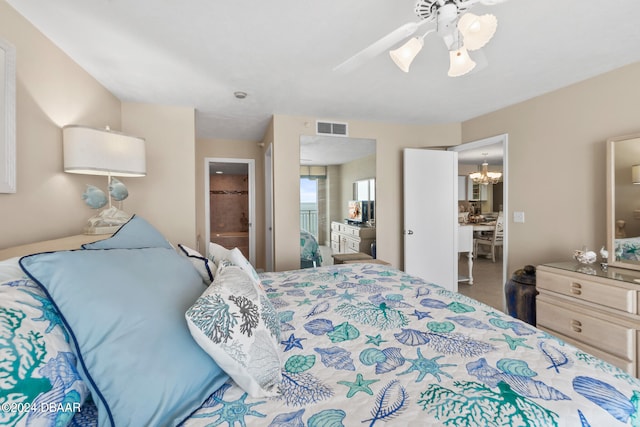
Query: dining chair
[[492, 240]]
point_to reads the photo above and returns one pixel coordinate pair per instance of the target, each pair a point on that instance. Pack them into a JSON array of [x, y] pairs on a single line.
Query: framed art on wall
[[7, 117]]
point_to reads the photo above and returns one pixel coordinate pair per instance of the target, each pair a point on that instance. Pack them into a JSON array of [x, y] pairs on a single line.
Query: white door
[[430, 216]]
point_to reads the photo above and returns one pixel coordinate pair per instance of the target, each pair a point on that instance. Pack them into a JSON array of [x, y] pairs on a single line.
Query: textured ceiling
[[282, 52]]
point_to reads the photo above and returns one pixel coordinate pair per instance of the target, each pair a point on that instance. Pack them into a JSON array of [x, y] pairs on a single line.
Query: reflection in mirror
[[623, 204], [334, 173]]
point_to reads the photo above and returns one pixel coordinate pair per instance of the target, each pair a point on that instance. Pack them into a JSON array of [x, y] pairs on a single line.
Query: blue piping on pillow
[[204, 260]]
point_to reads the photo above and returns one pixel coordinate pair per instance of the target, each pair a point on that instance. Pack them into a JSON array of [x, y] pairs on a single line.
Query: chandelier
[[485, 177]]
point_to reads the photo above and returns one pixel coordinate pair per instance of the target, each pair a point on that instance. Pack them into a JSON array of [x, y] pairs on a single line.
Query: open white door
[[430, 216]]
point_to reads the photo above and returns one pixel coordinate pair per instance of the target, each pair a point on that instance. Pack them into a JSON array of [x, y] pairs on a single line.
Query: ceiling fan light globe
[[405, 54], [477, 30], [460, 63]]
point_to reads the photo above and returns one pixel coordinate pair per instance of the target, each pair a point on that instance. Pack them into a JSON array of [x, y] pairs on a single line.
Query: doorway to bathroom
[[230, 204]]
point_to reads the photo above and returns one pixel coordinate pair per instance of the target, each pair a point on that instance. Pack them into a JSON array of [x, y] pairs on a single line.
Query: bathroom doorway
[[230, 204]]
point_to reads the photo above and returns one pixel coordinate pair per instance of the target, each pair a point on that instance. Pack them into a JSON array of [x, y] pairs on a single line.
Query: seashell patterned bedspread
[[365, 344]]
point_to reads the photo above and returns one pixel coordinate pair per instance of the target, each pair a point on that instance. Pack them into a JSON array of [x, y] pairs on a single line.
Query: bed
[[627, 249], [310, 255], [356, 344]]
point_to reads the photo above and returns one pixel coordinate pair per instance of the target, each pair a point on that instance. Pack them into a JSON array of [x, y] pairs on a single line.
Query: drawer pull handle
[[576, 291], [576, 326], [575, 285]]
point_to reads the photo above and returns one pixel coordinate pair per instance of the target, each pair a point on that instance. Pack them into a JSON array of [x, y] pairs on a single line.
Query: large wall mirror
[[334, 172], [623, 201]]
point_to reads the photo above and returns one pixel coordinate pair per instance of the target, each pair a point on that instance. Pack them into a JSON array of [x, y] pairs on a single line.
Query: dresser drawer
[[335, 237], [335, 247], [626, 365], [352, 231], [601, 333], [586, 290], [353, 245]]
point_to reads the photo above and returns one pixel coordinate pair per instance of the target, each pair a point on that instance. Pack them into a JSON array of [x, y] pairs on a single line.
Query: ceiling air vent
[[336, 129]]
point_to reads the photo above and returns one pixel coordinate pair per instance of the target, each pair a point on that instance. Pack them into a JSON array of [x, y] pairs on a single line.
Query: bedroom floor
[[487, 281]]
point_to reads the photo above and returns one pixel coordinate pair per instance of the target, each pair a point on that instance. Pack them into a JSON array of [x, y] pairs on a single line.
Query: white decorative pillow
[[236, 258], [205, 267], [239, 328], [217, 253]]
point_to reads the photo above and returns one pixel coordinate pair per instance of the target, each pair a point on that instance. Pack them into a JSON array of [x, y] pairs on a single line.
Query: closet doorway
[[230, 204]]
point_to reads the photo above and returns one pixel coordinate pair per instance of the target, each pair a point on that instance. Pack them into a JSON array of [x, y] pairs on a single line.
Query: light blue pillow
[[135, 234], [125, 311]]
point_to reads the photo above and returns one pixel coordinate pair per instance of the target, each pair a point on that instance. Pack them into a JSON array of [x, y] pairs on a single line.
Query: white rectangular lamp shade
[[92, 151]]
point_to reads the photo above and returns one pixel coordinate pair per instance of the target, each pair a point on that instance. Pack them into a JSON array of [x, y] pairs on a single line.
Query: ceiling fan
[[460, 31]]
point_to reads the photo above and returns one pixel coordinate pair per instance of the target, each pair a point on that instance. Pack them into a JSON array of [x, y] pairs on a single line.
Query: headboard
[[65, 243]]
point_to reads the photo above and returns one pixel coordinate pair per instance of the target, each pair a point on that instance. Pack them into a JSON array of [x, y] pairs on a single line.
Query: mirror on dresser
[[623, 201], [335, 172]]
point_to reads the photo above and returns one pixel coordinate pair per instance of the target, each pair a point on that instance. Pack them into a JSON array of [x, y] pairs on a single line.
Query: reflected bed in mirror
[[623, 201]]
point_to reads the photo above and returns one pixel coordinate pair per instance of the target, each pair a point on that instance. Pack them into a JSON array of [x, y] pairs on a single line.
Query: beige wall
[[51, 92], [236, 150], [556, 162], [166, 196], [390, 140]]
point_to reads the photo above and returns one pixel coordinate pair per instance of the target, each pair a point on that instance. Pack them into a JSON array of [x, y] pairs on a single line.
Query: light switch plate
[[518, 217]]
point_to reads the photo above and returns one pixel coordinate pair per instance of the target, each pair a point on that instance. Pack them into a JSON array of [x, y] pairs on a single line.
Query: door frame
[[251, 166], [268, 211], [504, 139]]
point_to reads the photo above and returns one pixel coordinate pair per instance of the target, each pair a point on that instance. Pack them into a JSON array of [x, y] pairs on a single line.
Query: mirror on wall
[[623, 201], [335, 172]]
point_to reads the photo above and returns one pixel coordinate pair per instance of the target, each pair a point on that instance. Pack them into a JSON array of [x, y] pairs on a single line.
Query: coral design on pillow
[[234, 322]]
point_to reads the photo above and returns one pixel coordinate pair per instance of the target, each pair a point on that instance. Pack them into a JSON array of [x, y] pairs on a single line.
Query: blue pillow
[[135, 234], [125, 310]]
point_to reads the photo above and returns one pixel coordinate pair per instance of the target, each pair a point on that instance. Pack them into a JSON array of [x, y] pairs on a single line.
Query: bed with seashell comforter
[[352, 344], [627, 248], [367, 344]]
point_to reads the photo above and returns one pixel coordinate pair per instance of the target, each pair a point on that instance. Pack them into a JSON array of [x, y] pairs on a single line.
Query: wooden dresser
[[347, 238], [595, 310]]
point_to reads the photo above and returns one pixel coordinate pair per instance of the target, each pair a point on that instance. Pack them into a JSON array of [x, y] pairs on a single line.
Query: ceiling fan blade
[[378, 46]]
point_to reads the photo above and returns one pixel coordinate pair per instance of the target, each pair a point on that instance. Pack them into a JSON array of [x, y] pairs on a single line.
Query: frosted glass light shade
[[460, 62], [485, 177], [635, 174], [92, 151], [404, 55], [477, 30]]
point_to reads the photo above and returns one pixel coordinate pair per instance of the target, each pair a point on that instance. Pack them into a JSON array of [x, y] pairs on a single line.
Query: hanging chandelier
[[485, 177]]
